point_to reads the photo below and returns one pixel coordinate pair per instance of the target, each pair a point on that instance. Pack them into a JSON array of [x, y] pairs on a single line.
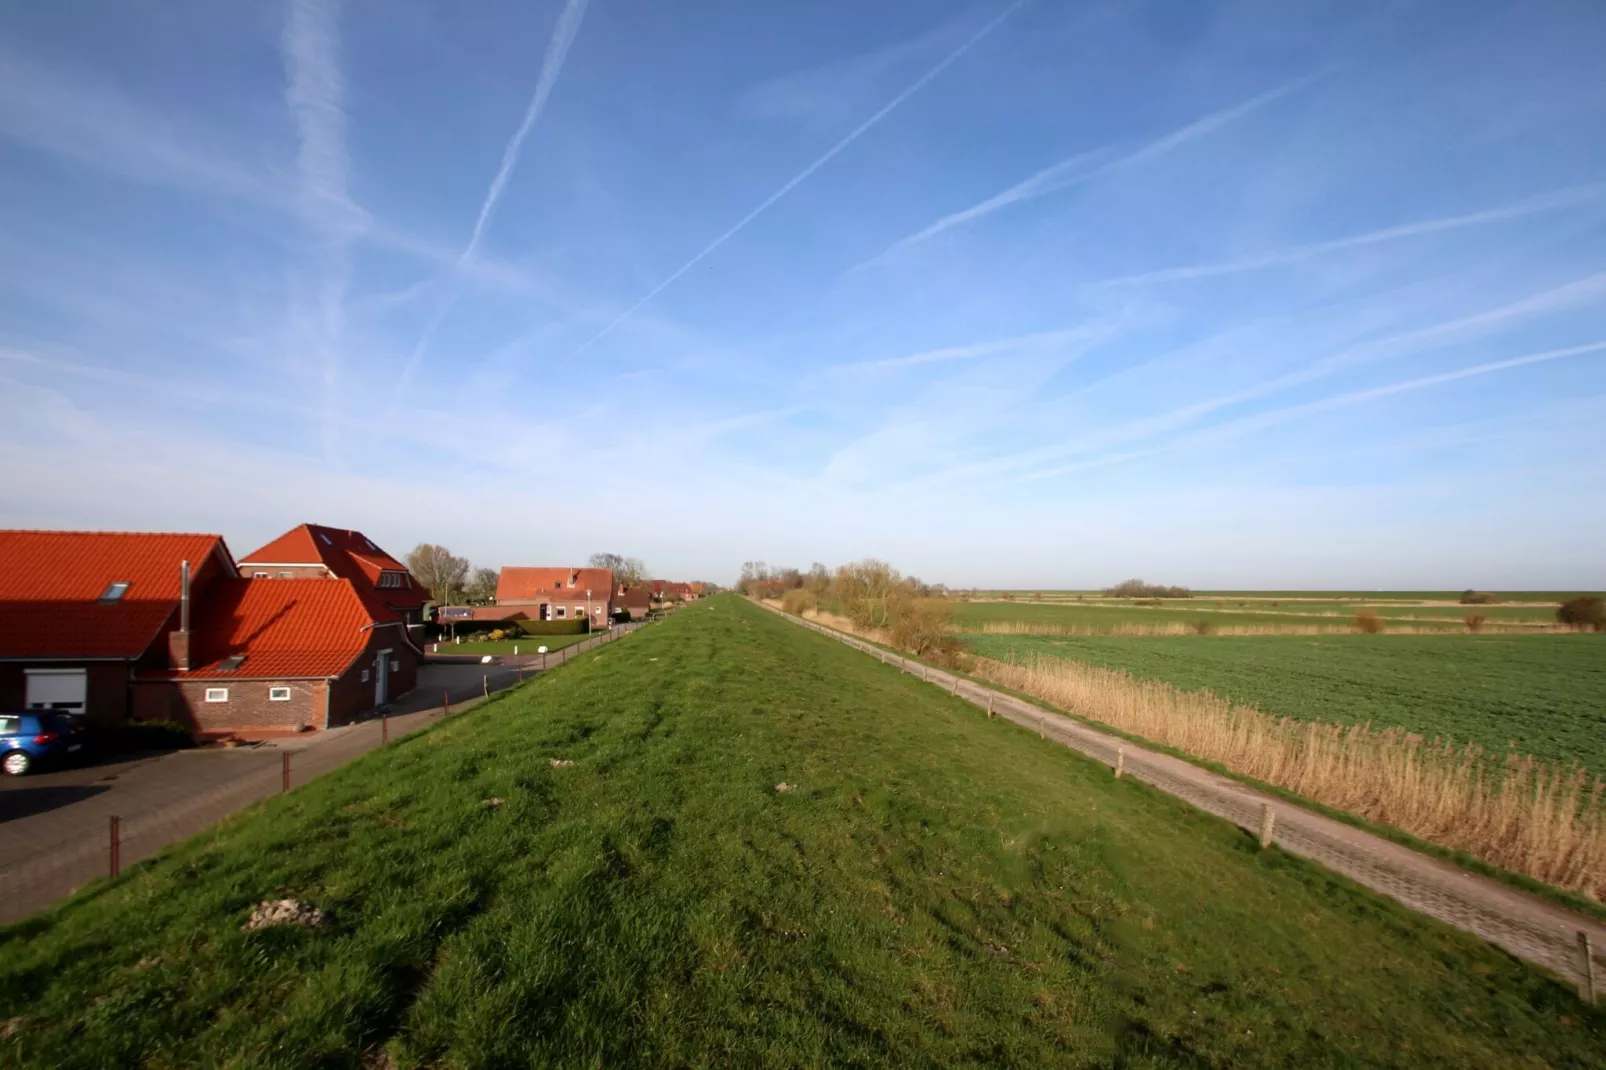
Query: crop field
[[1112, 615], [1544, 693], [769, 850]]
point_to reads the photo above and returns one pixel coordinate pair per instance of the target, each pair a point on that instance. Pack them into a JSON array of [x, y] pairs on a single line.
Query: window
[[259, 575], [115, 592], [324, 535], [559, 612], [365, 676], [393, 579], [557, 585], [278, 694], [287, 575], [232, 662], [395, 666], [217, 694]]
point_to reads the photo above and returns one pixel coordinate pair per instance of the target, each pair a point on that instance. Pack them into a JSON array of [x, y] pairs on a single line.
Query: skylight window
[[327, 541], [115, 592], [232, 662]]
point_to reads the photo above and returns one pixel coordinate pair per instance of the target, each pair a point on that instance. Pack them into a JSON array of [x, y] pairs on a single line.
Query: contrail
[[803, 175], [557, 50]]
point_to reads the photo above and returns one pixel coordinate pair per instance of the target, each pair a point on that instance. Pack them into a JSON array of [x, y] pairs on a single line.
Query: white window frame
[[217, 694], [278, 694], [287, 575], [365, 676], [559, 613], [261, 576]]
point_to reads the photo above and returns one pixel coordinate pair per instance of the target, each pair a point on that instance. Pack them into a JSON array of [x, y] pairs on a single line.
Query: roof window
[[114, 592], [324, 535], [230, 663]]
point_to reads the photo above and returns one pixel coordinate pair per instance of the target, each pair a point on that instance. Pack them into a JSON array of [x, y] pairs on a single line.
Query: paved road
[[55, 826], [1526, 926]]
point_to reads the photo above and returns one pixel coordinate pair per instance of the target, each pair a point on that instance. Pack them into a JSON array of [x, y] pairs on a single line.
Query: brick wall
[[351, 696], [277, 572], [248, 705]]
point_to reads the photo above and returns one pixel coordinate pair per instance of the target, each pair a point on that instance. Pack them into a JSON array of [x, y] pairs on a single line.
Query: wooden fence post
[[1042, 728], [487, 679], [1586, 982], [117, 846], [446, 702], [1120, 762], [989, 705], [286, 770], [956, 683], [1268, 824], [384, 728]]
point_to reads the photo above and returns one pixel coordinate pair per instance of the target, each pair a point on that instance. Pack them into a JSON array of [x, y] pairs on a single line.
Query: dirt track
[[1528, 927]]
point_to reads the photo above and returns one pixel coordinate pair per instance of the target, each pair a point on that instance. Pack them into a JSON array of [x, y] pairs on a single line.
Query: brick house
[[557, 593], [312, 551], [280, 655], [637, 600], [81, 612]]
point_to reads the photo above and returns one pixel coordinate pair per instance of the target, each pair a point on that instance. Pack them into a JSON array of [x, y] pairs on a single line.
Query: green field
[[1117, 614], [1545, 693], [527, 645], [938, 889]]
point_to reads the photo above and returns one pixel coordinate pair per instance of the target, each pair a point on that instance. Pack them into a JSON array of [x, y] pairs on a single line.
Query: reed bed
[[1543, 819], [1180, 627]]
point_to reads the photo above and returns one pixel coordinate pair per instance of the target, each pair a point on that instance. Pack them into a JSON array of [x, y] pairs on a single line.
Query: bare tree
[[438, 569], [481, 586], [626, 570]]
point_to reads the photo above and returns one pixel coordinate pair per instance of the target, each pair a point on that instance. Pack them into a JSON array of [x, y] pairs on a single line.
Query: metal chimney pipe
[[184, 597]]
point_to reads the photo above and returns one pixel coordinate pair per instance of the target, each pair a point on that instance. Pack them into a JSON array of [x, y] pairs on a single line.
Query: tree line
[[876, 597]]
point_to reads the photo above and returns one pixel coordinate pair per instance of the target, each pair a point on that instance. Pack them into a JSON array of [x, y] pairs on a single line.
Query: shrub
[[555, 627], [1204, 627], [1470, 597], [497, 635], [147, 735], [1474, 621], [799, 600], [1368, 622], [925, 629], [1585, 613]]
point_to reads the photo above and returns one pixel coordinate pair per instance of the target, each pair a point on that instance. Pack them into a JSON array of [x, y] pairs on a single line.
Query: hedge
[[554, 627]]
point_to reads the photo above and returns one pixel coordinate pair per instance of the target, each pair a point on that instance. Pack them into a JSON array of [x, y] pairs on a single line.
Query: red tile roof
[[634, 598], [284, 628], [51, 583], [546, 584], [351, 555]]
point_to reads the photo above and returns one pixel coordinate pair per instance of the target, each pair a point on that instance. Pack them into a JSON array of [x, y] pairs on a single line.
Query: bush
[[1204, 627], [925, 629], [1368, 622], [798, 601], [1470, 597], [1139, 589], [1474, 621], [146, 735], [1586, 613], [554, 627]]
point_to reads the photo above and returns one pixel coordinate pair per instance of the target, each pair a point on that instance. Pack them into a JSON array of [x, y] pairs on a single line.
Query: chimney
[[178, 643]]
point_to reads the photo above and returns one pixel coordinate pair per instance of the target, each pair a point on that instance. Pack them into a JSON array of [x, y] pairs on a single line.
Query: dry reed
[[1177, 627], [1543, 819]]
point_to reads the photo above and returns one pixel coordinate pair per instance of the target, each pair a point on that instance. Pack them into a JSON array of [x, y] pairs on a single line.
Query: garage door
[[57, 689]]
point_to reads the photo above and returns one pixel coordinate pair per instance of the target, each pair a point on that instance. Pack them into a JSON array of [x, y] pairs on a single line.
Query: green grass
[[940, 889], [527, 645], [1112, 614], [1541, 692]]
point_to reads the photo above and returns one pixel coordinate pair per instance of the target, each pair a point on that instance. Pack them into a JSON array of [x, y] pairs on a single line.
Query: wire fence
[[1568, 944], [100, 837]]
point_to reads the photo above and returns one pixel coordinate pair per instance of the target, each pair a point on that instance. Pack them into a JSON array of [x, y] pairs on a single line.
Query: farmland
[[1541, 692], [932, 888]]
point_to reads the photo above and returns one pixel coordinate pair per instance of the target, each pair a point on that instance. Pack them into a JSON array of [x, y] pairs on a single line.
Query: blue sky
[[1032, 294]]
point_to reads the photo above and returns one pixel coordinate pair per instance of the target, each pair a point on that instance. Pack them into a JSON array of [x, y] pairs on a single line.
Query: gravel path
[[1533, 929]]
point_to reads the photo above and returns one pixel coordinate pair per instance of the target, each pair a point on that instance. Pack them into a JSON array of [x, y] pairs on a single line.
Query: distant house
[[82, 611], [280, 654], [557, 593], [636, 600], [312, 551]]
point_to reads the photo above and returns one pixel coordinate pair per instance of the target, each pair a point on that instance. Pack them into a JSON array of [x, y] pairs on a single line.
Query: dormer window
[[114, 592], [393, 579]]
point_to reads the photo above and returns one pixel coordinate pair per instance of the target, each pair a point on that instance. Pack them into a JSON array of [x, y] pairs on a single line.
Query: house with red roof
[[155, 626], [82, 611], [313, 551], [637, 600], [556, 594], [287, 655]]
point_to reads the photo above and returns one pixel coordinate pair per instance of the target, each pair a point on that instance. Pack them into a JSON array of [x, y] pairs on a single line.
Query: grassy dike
[[937, 889]]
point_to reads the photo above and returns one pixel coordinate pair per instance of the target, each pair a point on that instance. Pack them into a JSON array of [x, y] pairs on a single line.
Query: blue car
[[29, 739]]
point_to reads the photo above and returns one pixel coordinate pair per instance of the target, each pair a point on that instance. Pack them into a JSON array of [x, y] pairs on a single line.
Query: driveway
[[55, 826]]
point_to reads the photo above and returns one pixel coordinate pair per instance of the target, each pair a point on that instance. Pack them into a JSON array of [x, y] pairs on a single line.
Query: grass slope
[[939, 889], [1542, 693]]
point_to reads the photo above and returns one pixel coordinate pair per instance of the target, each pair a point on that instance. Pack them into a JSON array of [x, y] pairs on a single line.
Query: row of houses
[[313, 630], [571, 594]]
